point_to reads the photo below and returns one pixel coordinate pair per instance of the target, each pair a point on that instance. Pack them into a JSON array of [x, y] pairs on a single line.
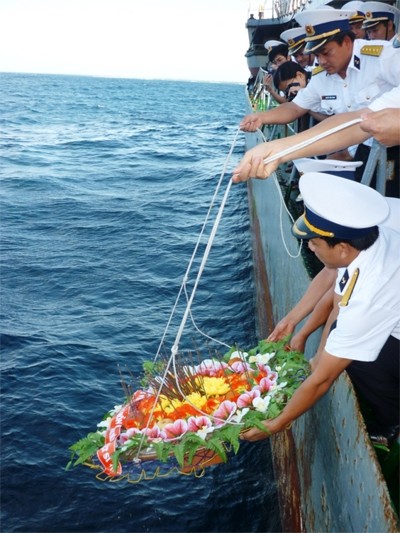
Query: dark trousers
[[377, 384]]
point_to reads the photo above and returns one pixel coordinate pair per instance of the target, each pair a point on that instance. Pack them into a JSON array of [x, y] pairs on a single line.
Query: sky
[[199, 40]]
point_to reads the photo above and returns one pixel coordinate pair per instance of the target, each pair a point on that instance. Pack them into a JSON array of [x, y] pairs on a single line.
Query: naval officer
[[379, 21], [295, 39], [351, 75], [357, 17], [345, 224]]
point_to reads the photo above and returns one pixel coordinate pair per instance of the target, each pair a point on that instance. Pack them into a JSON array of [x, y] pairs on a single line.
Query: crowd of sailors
[[342, 67]]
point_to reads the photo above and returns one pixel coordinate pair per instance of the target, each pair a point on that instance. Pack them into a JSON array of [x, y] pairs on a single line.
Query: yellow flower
[[196, 399], [168, 405], [213, 386]]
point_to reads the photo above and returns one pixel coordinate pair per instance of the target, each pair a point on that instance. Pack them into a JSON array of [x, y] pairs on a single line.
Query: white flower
[[204, 431], [240, 413], [276, 388], [116, 409], [105, 423], [262, 358], [261, 404], [241, 355]]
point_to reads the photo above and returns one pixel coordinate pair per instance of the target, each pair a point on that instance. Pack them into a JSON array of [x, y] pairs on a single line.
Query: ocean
[[105, 185]]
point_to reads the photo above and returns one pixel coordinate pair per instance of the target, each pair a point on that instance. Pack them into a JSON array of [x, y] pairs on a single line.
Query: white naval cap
[[322, 24], [344, 169], [295, 39], [269, 45], [338, 208], [376, 12], [357, 7]]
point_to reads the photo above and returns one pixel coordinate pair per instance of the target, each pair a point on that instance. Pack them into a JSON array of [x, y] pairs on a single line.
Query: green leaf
[[85, 448], [216, 445], [179, 452]]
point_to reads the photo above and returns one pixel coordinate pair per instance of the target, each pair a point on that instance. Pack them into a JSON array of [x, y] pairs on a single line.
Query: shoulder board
[[372, 50], [317, 70]]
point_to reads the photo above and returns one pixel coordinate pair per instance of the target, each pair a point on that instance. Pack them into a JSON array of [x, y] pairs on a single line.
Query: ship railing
[[278, 9], [376, 165], [261, 100]]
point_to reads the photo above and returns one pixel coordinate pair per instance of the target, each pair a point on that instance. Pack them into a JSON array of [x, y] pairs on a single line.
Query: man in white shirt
[[381, 120], [295, 39], [352, 74], [340, 223], [379, 21]]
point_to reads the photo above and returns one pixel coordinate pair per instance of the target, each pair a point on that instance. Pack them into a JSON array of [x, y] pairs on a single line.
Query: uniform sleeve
[[389, 63], [390, 99], [361, 340]]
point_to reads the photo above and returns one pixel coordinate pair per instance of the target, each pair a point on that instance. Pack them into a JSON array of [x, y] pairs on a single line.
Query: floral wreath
[[195, 416]]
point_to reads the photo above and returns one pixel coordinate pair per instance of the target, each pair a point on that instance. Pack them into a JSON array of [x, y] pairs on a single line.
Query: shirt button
[[348, 107], [345, 85]]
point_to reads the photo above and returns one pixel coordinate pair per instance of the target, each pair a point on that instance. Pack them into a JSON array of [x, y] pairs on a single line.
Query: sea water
[[105, 185]]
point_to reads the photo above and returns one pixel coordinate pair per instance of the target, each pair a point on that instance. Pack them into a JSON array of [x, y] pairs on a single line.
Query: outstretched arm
[[318, 287], [310, 391], [283, 114], [252, 165], [317, 318]]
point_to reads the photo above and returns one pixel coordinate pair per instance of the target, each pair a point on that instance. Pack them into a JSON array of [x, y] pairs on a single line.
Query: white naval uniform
[[367, 77], [391, 99], [373, 310]]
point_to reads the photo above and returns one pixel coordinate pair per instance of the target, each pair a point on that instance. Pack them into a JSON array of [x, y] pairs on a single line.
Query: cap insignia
[[309, 30], [291, 42]]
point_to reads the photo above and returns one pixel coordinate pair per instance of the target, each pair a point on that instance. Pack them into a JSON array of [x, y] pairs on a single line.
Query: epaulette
[[317, 70], [372, 50]]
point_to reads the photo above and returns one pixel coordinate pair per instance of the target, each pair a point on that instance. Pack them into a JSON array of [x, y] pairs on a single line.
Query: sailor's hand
[[383, 125], [267, 81], [298, 342], [255, 434], [252, 165], [251, 122], [284, 328]]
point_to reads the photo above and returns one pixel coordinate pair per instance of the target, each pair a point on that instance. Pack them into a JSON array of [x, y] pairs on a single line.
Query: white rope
[[314, 139], [174, 349], [281, 207], [186, 275]]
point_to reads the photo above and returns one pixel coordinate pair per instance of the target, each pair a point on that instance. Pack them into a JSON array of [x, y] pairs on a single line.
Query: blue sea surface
[[105, 184]]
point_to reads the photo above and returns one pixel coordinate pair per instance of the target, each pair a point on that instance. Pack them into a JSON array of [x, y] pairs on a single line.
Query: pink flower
[[198, 422], [246, 399], [154, 432], [209, 367], [176, 429], [124, 437], [264, 369], [265, 384], [224, 412], [240, 367]]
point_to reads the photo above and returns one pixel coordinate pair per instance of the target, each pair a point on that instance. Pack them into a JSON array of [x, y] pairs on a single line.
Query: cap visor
[[301, 231], [312, 46], [371, 24]]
